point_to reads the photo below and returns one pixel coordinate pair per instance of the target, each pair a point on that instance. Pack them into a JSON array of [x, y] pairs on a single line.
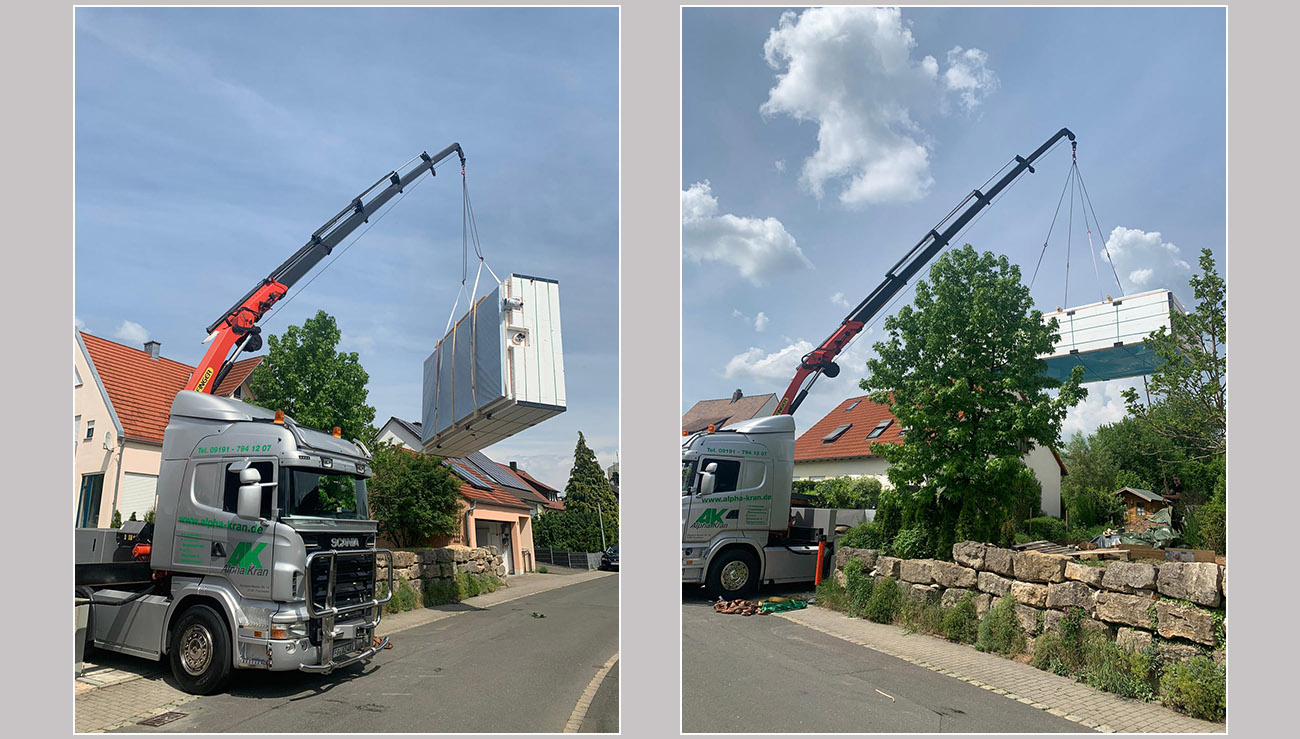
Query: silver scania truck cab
[[261, 554], [738, 528]]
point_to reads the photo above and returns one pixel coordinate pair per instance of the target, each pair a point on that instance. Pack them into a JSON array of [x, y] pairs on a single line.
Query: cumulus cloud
[[779, 165], [840, 300], [1104, 405], [1146, 261], [767, 367], [759, 248], [131, 333], [851, 71], [760, 322], [80, 324]]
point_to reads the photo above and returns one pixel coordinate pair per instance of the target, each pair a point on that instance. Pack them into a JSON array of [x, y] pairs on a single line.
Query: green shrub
[[117, 520], [439, 591], [866, 535], [911, 543], [1045, 527], [1092, 506], [858, 586], [1062, 652], [404, 597], [1197, 687], [542, 569], [999, 631], [924, 618], [1108, 666], [882, 606], [832, 595], [960, 623]]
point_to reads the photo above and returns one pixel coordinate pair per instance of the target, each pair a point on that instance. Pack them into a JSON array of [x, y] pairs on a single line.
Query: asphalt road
[[767, 674], [489, 670]]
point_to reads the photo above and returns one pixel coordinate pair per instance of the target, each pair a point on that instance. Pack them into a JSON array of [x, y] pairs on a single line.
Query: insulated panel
[[1108, 339], [499, 371]]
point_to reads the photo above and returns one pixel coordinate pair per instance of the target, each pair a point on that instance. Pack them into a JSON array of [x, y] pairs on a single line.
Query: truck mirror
[[249, 476], [250, 501]]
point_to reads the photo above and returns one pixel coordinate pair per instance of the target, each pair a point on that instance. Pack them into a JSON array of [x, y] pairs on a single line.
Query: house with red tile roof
[[121, 399], [840, 445], [720, 412]]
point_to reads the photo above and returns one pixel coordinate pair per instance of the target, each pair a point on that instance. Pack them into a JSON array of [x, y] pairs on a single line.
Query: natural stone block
[[951, 575], [988, 582], [888, 567], [1119, 608], [460, 554], [1185, 621], [1083, 573], [1128, 577], [999, 560], [403, 559], [1072, 593], [1027, 617], [1220, 656], [1052, 623], [1223, 580], [501, 571], [1172, 652], [840, 578], [1197, 582], [446, 569], [919, 571], [983, 604], [918, 593], [1134, 640], [969, 554], [1030, 594], [952, 596], [868, 557], [1039, 567]]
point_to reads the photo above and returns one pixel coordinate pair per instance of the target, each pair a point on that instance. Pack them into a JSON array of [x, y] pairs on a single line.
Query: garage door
[[138, 495]]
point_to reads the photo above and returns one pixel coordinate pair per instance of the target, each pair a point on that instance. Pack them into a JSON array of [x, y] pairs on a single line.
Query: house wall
[[1131, 515], [521, 530], [1040, 460], [398, 437], [855, 467]]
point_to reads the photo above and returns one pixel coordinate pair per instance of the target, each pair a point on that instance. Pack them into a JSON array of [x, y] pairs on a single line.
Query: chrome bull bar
[[330, 612]]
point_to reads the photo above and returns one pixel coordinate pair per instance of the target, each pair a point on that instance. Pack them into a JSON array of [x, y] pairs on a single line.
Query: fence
[[574, 560]]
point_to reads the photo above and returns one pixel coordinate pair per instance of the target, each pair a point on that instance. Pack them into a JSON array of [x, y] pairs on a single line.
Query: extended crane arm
[[822, 359], [237, 328]]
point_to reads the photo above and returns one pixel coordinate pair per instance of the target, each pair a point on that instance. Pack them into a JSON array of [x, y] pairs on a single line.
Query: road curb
[[584, 701]]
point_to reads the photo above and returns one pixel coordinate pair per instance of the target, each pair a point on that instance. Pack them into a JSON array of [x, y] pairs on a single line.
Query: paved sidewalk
[[1059, 696], [111, 694]]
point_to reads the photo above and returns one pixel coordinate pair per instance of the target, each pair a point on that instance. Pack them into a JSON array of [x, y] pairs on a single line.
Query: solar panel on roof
[[469, 476], [494, 471]]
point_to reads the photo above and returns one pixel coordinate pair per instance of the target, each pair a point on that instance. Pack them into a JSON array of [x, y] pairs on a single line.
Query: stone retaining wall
[[1131, 602], [417, 565]]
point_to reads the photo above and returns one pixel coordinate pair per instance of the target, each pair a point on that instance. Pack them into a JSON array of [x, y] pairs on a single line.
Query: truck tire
[[732, 574], [200, 650]]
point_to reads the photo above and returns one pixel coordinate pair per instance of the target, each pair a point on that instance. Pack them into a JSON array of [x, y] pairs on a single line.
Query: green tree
[[847, 492], [318, 386], [413, 496], [1191, 379], [961, 372], [588, 500]]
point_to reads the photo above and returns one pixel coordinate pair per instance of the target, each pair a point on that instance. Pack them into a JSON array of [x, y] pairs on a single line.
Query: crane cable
[[1074, 182], [468, 237]]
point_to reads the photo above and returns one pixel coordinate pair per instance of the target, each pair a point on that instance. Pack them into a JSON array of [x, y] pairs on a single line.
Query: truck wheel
[[732, 574], [200, 651]]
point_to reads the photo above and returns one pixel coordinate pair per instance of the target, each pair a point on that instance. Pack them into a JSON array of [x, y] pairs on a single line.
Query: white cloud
[[761, 321], [767, 367], [80, 324], [131, 333], [779, 165], [840, 300], [1145, 261], [851, 71], [759, 248], [1104, 405]]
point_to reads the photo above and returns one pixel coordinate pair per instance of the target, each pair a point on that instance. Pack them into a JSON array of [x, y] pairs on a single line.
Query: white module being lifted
[[500, 369], [1108, 339]]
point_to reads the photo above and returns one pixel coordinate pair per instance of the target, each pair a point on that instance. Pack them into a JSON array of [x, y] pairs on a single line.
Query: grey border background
[[36, 53]]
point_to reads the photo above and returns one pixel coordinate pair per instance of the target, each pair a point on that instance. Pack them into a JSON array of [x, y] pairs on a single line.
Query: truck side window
[[230, 499], [728, 473], [208, 484]]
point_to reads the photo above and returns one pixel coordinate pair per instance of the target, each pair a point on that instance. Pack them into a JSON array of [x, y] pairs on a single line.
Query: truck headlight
[[289, 631]]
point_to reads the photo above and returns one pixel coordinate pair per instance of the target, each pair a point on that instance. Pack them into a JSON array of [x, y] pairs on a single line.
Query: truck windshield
[[688, 475], [313, 492]]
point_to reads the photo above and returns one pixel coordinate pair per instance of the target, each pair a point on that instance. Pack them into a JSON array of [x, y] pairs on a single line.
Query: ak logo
[[246, 556], [714, 518]]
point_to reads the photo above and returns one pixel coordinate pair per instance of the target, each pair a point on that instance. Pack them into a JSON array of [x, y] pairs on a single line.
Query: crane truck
[[739, 528], [261, 554]]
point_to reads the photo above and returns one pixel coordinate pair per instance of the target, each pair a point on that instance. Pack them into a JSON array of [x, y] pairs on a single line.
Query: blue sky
[[820, 146], [211, 143]]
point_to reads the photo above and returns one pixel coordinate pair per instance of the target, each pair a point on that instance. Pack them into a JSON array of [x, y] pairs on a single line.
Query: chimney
[[153, 347], [514, 466], [737, 395]]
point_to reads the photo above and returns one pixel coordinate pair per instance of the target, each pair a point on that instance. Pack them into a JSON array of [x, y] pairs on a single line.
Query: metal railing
[[330, 611], [561, 558]]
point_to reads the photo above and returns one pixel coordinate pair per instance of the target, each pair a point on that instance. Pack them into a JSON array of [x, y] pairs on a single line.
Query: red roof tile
[[494, 496], [142, 388], [239, 371], [863, 416], [542, 489]]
